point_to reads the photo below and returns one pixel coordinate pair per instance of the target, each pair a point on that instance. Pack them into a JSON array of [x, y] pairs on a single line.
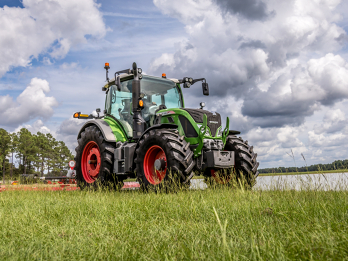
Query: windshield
[[157, 91], [160, 91]]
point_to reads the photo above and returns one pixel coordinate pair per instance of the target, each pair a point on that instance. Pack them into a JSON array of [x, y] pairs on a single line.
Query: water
[[328, 181]]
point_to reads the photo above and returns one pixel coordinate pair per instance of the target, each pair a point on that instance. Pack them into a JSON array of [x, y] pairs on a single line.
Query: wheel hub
[[93, 162], [155, 164], [160, 164], [219, 177], [90, 162]]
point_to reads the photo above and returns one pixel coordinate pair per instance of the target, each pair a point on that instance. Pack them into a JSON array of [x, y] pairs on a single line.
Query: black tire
[[178, 158], [104, 177], [245, 159], [245, 169]]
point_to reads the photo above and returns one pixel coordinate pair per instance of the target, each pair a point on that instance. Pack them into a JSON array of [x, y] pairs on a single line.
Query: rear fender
[[102, 126]]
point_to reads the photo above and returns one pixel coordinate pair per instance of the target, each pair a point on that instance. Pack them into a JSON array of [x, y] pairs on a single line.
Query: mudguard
[[103, 127], [159, 126], [233, 132]]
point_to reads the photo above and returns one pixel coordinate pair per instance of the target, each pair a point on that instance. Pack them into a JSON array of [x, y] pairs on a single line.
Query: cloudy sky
[[277, 68]]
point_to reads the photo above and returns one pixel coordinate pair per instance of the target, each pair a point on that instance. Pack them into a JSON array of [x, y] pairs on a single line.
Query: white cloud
[[68, 131], [46, 26], [241, 56], [37, 126], [279, 62], [30, 104]]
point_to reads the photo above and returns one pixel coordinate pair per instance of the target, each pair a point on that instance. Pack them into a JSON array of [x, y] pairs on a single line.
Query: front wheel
[[244, 172], [164, 160]]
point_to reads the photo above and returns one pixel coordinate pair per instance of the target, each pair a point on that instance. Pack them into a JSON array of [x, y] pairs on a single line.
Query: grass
[[212, 224]]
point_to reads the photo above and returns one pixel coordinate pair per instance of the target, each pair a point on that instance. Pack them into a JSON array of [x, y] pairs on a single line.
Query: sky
[[277, 68]]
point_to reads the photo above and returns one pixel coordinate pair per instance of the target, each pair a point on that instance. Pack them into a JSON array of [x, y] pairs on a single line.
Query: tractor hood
[[213, 119], [195, 123], [200, 127]]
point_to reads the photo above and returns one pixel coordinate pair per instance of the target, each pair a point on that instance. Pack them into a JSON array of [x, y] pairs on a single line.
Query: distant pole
[[3, 172], [11, 168]]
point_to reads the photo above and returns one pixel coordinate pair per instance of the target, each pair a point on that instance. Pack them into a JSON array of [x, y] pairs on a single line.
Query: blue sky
[[278, 69]]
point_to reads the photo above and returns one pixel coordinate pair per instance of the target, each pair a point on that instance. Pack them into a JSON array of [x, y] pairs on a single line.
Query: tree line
[[34, 154], [336, 165]]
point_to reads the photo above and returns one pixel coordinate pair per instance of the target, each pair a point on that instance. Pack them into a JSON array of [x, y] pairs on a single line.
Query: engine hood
[[214, 119]]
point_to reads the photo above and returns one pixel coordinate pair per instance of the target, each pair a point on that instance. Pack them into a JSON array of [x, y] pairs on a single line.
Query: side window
[[172, 99], [121, 106]]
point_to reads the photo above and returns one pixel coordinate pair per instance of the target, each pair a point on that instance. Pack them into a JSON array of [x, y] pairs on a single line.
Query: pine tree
[[13, 149], [26, 147], [63, 156], [42, 152], [50, 159], [5, 142]]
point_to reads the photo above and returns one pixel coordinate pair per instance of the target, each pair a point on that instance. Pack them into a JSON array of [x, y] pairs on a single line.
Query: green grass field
[[214, 224]]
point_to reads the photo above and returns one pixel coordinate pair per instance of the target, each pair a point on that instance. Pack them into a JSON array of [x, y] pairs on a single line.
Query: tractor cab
[[156, 94]]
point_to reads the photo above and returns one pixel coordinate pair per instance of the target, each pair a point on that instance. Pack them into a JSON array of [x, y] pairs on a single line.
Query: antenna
[[107, 67]]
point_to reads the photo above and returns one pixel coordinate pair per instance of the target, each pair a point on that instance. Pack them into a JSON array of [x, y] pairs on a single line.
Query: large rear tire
[[164, 160], [94, 161]]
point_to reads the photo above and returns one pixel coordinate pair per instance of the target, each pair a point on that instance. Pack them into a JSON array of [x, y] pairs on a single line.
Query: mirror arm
[[197, 80]]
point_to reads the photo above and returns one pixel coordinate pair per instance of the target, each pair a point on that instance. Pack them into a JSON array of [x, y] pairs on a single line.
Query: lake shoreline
[[304, 173]]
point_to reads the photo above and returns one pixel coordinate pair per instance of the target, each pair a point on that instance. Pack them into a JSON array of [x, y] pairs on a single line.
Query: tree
[[26, 147], [13, 149], [43, 150], [51, 157], [5, 141], [63, 156]]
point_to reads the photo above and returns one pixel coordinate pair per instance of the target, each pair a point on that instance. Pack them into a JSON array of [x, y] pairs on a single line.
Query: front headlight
[[202, 131], [219, 134]]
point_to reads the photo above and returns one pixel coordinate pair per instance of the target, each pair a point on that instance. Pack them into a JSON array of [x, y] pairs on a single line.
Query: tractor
[[147, 133]]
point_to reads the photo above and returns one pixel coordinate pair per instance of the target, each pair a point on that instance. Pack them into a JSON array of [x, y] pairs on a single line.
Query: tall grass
[[211, 224]]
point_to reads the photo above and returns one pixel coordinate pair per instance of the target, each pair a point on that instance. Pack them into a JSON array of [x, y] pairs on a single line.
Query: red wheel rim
[[90, 162], [220, 179], [153, 175]]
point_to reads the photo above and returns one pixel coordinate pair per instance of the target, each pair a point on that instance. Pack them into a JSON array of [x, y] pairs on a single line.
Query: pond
[[327, 181]]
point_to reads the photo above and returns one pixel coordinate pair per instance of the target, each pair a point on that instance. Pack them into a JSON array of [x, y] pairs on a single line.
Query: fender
[[103, 127], [158, 126], [233, 132]]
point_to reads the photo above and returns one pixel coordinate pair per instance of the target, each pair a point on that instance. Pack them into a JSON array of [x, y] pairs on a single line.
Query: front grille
[[189, 130], [214, 120]]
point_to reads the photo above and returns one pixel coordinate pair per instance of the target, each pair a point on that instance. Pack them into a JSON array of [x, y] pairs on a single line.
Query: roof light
[[141, 103], [164, 75]]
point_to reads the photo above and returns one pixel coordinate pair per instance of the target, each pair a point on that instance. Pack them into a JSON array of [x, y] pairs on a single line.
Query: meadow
[[211, 224]]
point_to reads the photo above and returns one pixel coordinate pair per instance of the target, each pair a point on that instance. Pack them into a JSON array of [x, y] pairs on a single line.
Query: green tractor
[[147, 133]]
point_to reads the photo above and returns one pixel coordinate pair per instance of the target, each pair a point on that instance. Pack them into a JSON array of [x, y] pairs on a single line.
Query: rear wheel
[[164, 160], [94, 161]]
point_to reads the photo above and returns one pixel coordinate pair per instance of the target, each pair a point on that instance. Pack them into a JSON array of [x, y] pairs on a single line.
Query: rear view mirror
[[205, 88]]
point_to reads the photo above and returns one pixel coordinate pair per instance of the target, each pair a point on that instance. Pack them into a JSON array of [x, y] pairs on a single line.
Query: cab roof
[[125, 75]]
